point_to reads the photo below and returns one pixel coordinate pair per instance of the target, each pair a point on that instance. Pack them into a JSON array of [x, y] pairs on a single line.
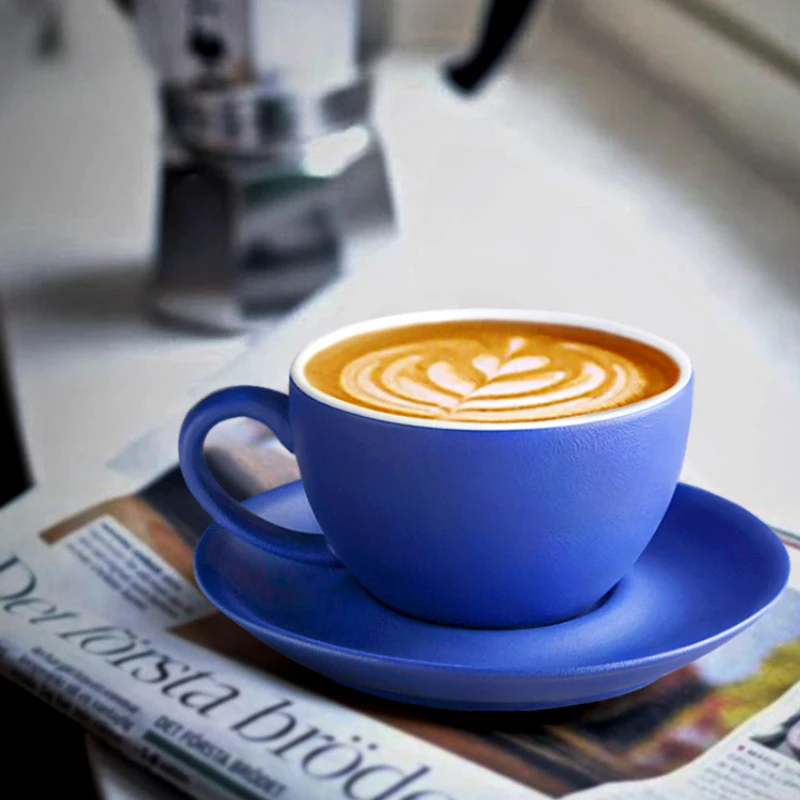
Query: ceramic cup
[[470, 524]]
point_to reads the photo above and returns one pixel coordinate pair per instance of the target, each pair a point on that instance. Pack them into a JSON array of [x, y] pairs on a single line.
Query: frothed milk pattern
[[502, 376], [460, 380]]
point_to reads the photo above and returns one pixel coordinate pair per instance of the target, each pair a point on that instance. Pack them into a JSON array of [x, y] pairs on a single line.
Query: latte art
[[459, 380], [490, 372]]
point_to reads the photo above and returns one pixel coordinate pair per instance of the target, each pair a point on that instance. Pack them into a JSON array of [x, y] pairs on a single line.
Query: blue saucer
[[710, 571]]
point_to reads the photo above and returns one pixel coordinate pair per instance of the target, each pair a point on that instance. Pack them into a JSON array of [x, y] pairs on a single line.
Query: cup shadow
[[111, 297]]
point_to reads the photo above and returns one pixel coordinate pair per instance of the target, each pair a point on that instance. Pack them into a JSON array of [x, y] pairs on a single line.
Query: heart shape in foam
[[522, 378]]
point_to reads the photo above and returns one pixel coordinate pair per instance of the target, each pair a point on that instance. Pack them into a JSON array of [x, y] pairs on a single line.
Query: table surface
[[569, 184]]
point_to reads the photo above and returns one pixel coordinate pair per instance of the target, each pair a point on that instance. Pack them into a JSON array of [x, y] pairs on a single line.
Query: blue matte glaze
[[479, 528], [271, 408], [489, 528], [710, 571]]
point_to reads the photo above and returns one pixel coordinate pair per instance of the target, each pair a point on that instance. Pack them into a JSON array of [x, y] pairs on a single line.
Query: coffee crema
[[490, 371]]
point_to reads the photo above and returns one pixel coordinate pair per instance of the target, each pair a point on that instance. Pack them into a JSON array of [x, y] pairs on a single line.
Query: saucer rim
[[616, 667]]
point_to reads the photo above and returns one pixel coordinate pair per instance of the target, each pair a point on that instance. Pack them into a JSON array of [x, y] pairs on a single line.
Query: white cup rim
[[298, 376]]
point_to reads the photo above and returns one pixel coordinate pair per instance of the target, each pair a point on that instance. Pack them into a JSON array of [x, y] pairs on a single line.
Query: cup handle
[[262, 405]]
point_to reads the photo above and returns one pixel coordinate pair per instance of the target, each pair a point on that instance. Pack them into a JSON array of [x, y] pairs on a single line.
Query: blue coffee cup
[[462, 523]]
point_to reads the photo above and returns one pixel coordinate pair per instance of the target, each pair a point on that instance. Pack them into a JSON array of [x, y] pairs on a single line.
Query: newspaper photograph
[[100, 616]]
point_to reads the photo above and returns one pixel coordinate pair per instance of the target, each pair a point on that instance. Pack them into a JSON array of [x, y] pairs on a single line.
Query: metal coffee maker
[[269, 161]]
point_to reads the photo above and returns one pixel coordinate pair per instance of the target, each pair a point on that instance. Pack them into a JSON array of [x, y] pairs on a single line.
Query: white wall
[[435, 22], [777, 20], [744, 100]]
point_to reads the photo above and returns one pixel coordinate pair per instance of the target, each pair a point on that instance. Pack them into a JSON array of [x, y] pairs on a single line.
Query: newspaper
[[100, 616]]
